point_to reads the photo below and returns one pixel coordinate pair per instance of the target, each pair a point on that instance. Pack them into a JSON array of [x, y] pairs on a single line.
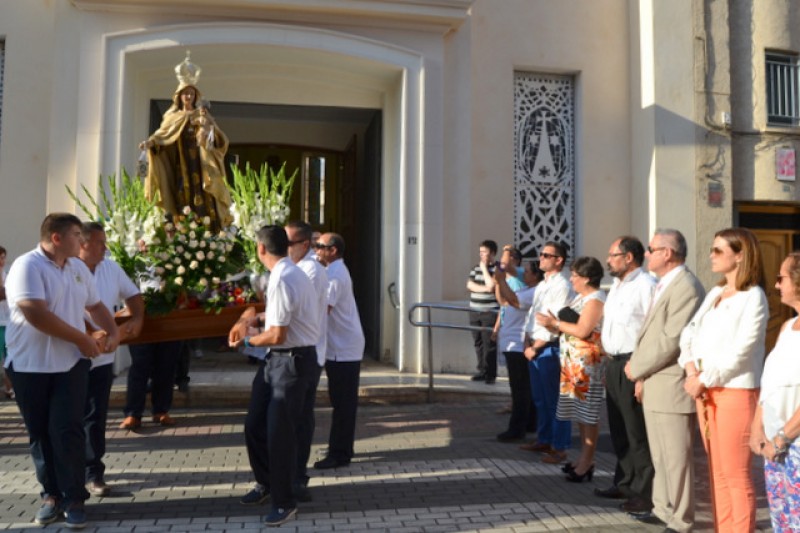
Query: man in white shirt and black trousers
[[49, 354], [623, 315], [290, 331], [344, 352]]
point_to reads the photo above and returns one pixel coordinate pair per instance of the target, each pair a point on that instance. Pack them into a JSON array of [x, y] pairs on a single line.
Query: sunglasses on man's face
[[322, 246]]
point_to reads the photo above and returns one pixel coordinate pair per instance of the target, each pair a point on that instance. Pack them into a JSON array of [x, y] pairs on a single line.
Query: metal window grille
[[783, 98]]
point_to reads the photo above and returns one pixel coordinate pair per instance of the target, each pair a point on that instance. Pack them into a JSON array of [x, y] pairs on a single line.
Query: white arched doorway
[[273, 64]]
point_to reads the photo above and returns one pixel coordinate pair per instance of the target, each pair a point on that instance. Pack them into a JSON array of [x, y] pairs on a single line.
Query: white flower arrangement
[[258, 200]]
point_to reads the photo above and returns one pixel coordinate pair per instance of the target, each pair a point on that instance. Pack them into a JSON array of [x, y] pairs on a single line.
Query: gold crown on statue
[[187, 72]]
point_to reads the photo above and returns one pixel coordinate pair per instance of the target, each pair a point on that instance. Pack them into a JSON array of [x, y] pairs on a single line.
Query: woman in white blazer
[[722, 352]]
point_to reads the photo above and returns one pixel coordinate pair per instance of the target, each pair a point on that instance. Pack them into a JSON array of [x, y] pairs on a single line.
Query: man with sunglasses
[[553, 436], [669, 412], [343, 354], [623, 315], [301, 252]]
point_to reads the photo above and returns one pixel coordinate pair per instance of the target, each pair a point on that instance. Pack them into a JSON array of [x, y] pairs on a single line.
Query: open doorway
[[337, 152]]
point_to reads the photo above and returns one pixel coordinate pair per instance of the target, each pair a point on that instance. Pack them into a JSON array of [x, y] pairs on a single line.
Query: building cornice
[[441, 14]]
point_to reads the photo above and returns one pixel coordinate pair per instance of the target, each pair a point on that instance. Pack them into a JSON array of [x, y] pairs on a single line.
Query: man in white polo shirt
[[301, 252], [290, 331], [344, 352], [49, 354], [113, 286]]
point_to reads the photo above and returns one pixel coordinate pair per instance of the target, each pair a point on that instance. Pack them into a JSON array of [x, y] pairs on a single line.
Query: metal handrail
[[428, 306]]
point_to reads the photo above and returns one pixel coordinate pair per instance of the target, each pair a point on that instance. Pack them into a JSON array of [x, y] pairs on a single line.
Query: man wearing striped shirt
[[484, 307]]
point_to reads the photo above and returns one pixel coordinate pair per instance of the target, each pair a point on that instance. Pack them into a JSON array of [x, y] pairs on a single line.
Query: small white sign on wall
[[785, 164]]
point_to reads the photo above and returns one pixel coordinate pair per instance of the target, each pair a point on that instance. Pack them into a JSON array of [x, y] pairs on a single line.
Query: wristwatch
[[782, 435]]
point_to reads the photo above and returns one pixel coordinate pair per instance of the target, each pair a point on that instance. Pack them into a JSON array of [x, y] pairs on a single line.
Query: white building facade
[[514, 120]]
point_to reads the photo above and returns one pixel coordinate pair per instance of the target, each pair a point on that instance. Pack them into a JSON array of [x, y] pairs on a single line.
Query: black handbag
[[568, 314]]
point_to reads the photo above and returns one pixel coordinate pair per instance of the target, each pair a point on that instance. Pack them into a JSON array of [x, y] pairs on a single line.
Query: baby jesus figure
[[203, 125]]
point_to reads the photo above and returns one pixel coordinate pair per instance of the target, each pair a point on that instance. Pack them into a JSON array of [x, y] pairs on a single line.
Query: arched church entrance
[[336, 153]]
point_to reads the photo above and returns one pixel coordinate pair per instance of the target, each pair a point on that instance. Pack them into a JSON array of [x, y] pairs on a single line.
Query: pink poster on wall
[[784, 164]]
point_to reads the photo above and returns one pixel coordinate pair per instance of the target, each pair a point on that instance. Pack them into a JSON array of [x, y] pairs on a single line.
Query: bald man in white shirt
[[345, 350]]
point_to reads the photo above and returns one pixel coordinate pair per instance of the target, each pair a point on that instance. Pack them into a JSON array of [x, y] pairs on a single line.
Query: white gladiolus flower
[[212, 245], [179, 249], [193, 265], [207, 271], [193, 225], [215, 280], [203, 282], [210, 255], [200, 255], [187, 255], [221, 259], [192, 244], [206, 220], [187, 210], [176, 260], [169, 266], [179, 281], [192, 235], [207, 235], [159, 271], [181, 270]]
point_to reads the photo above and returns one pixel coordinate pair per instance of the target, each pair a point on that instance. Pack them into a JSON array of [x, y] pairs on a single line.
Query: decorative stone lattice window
[[544, 161]]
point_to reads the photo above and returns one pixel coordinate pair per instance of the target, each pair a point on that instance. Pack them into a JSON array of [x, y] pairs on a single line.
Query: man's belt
[[621, 356]]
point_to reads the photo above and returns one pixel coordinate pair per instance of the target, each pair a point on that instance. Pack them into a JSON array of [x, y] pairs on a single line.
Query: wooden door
[[775, 245]]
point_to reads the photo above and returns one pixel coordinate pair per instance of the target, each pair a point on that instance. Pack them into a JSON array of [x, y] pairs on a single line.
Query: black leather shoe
[[508, 436], [490, 381], [330, 462], [636, 505], [478, 377], [611, 492]]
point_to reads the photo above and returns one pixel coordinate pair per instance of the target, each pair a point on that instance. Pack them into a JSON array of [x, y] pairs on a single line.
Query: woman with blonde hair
[[776, 425], [722, 352]]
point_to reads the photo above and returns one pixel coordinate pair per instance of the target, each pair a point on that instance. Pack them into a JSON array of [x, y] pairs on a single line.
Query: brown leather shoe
[[554, 457], [536, 447], [131, 422], [164, 419]]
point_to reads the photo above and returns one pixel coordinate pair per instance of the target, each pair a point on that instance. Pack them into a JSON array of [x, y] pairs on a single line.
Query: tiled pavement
[[419, 467]]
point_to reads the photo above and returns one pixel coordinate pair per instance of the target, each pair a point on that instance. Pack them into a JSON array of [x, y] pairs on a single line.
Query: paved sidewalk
[[419, 467]]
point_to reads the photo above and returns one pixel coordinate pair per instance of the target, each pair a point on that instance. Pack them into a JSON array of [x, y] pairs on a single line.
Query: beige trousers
[[670, 436]]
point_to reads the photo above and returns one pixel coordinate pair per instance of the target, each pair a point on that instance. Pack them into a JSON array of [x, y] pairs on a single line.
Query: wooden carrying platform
[[186, 324]]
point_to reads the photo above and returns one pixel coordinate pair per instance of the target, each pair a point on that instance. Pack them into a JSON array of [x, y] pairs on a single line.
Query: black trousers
[[520, 383], [485, 347], [155, 361], [52, 407], [306, 425], [634, 476], [343, 379], [94, 420], [276, 407]]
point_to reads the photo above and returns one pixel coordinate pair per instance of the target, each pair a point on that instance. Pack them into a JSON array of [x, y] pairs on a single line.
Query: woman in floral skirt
[[582, 387]]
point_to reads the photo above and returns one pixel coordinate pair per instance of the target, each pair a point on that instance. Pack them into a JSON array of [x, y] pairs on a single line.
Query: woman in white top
[[722, 351], [776, 425]]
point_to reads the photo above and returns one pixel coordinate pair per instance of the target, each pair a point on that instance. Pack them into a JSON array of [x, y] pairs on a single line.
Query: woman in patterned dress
[[582, 386], [776, 425]]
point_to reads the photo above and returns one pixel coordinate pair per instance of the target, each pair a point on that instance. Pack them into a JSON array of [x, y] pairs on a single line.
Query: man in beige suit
[[669, 415]]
